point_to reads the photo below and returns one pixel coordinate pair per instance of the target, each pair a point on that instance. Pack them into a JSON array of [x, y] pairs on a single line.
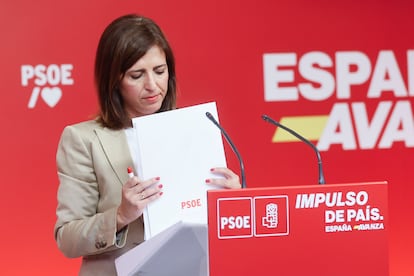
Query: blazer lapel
[[116, 149]]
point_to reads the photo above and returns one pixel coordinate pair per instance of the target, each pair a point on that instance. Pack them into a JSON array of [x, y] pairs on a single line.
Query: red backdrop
[[330, 48]]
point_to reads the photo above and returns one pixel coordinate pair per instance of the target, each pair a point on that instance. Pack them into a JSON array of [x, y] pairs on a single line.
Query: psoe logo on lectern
[[234, 218], [246, 217], [271, 216]]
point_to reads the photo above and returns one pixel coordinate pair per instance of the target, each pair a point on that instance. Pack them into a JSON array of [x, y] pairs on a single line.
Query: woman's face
[[145, 84]]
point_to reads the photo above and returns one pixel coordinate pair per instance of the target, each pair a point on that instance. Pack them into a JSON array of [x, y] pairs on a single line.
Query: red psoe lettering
[[191, 203]]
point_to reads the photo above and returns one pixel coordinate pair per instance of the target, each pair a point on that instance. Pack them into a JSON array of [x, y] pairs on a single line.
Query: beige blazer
[[92, 164]]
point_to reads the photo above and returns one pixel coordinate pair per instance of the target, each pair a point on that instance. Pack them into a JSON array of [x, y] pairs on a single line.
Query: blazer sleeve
[[84, 225]]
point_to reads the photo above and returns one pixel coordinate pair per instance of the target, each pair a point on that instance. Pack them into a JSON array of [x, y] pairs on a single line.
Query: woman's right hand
[[136, 195]]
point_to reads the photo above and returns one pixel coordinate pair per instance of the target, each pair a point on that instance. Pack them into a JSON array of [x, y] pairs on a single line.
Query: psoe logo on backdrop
[[350, 123], [247, 217], [45, 82]]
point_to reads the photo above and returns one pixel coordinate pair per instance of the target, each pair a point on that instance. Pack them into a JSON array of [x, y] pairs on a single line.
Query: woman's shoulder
[[84, 126], [89, 130], [85, 129], [89, 124], [88, 133]]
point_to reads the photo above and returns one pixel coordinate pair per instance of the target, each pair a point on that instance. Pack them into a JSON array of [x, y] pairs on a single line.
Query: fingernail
[[157, 178], [161, 193], [212, 169], [207, 180], [160, 186]]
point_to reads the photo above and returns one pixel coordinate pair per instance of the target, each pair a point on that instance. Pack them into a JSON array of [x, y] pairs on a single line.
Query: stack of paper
[[179, 146]]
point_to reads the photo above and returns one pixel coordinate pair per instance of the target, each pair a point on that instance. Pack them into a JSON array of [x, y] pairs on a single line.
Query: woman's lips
[[152, 98]]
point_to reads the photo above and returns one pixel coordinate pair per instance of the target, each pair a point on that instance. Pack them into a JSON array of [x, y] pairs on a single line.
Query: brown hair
[[124, 41]]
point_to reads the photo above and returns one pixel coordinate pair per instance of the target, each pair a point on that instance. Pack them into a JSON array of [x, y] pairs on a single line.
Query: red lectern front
[[331, 229]]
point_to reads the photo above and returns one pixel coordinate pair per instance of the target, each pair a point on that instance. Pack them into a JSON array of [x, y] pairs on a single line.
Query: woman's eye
[[135, 77], [159, 72]]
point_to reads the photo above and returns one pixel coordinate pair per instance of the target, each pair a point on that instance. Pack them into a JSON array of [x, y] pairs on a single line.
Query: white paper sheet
[[179, 146]]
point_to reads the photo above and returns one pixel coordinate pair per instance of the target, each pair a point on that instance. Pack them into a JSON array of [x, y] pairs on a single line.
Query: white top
[[133, 148]]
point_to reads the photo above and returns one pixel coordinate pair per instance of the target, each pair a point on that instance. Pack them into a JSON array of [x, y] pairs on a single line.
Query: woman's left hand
[[230, 180]]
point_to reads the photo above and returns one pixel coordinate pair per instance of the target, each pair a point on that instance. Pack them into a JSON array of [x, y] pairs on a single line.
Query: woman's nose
[[150, 82]]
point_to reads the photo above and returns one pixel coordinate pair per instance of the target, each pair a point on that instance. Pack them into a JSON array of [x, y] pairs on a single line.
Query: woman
[[99, 206]]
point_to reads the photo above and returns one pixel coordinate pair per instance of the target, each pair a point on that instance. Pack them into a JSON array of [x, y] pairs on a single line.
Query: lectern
[[324, 230], [331, 229], [179, 250]]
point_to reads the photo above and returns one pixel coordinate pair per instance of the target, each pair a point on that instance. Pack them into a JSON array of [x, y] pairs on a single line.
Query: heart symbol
[[51, 95]]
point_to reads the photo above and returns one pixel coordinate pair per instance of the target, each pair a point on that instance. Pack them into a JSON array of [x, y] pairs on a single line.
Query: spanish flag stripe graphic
[[310, 127]]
